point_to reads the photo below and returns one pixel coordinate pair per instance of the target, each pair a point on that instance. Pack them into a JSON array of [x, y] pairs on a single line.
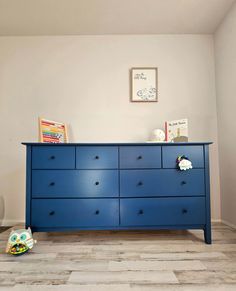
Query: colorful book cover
[[177, 130]]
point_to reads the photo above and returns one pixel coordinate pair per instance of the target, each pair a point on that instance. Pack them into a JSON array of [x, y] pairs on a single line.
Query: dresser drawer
[[75, 212], [53, 157], [183, 183], [97, 157], [140, 183], [194, 153], [162, 182], [140, 157], [75, 183], [162, 211]]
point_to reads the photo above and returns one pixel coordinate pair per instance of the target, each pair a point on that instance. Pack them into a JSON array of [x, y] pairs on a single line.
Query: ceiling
[[71, 17]]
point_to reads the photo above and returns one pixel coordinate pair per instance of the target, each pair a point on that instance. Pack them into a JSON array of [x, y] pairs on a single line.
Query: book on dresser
[[116, 186], [177, 130]]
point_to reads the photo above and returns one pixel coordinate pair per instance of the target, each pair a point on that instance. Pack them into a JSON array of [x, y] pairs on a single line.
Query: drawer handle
[[52, 158], [97, 212], [96, 183], [140, 212], [52, 184], [183, 183], [97, 158], [184, 211], [52, 213], [140, 183], [139, 158]]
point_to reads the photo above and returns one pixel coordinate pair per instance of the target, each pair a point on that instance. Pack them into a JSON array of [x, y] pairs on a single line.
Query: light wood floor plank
[[158, 277], [155, 265]]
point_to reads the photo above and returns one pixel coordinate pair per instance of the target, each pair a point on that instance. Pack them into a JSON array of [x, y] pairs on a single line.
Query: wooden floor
[[136, 260]]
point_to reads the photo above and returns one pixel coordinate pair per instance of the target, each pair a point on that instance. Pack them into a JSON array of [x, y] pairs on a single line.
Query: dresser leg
[[207, 235]]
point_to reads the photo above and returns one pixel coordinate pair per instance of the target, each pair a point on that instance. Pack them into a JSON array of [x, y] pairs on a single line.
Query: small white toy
[[158, 135], [183, 163]]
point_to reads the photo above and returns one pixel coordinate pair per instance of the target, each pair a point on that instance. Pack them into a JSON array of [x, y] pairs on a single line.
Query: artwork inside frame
[[52, 131], [143, 84]]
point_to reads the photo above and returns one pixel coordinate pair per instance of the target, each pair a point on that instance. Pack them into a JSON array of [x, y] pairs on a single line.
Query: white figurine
[[185, 165], [158, 135]]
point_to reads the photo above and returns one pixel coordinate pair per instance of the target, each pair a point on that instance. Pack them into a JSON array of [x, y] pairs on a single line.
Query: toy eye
[[23, 236], [14, 238]]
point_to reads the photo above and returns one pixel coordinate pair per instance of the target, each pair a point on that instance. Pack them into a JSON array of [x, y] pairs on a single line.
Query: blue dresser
[[117, 186]]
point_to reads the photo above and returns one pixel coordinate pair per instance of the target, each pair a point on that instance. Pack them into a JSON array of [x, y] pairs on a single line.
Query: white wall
[[225, 53], [84, 81]]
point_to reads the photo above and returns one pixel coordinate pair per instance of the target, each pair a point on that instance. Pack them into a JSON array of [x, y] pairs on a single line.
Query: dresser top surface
[[116, 143]]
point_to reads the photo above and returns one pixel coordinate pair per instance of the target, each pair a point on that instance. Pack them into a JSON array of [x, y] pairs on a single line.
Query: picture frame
[[52, 131], [143, 87]]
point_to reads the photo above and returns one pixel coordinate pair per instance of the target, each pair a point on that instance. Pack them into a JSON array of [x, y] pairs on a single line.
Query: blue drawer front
[[97, 157], [75, 212], [75, 183], [162, 211], [194, 153], [183, 183], [140, 157], [140, 183], [163, 182], [53, 157]]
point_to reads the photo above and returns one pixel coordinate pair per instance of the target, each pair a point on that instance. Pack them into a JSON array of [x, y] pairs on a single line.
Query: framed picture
[[144, 85], [52, 131]]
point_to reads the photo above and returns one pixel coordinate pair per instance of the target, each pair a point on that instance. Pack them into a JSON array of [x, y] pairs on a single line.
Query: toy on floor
[[183, 163], [20, 241]]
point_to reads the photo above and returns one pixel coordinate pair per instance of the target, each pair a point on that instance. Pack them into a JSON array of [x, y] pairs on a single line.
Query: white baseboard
[[216, 220], [224, 222], [228, 223], [11, 222]]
